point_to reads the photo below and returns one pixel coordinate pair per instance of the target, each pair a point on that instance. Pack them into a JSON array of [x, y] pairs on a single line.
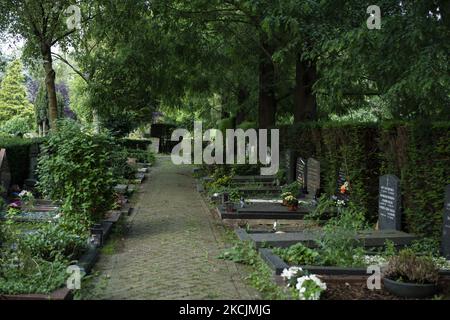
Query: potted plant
[[292, 203], [284, 196], [411, 276]]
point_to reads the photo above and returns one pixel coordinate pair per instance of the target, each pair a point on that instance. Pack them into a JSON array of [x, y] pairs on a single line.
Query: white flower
[[288, 274], [23, 193], [373, 260], [310, 287]]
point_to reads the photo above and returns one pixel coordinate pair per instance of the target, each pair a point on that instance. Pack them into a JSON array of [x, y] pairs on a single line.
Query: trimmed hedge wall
[[143, 144], [18, 155], [418, 153]]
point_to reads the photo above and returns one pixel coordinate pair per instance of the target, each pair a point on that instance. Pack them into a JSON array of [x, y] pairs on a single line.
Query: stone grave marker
[[5, 173], [446, 226], [389, 210], [290, 166], [31, 181], [300, 172], [313, 177], [34, 154]]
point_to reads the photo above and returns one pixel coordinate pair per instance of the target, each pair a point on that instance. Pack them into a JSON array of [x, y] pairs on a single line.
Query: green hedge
[[18, 154], [418, 153], [142, 144]]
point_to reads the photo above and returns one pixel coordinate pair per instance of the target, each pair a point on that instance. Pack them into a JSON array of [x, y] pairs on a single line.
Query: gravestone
[[5, 173], [446, 225], [30, 183], [300, 172], [313, 177], [290, 166], [389, 211]]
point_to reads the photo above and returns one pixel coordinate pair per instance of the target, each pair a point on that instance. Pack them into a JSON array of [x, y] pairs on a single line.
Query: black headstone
[[389, 210], [300, 172], [34, 154], [313, 177], [446, 226], [290, 166]]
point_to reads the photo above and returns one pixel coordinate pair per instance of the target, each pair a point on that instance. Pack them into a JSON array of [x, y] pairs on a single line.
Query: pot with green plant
[[410, 276], [292, 203]]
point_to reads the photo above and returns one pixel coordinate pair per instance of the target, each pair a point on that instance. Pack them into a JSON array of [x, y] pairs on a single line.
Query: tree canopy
[[264, 62]]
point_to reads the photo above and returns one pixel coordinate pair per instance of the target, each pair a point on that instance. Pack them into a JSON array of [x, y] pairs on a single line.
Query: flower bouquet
[[284, 196], [292, 203], [26, 199]]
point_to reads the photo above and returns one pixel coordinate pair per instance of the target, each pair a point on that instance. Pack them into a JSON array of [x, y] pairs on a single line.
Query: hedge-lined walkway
[[171, 249]]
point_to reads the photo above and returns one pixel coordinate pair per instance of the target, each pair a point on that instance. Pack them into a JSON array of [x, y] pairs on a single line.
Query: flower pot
[[410, 290], [284, 203]]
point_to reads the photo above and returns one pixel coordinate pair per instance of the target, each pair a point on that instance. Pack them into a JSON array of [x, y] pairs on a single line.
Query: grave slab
[[370, 238], [277, 264], [264, 210], [121, 188]]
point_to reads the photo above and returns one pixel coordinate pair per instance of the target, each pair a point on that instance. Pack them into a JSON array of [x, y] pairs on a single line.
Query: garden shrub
[[338, 246], [298, 254], [120, 167], [52, 240], [139, 155], [31, 275], [75, 167]]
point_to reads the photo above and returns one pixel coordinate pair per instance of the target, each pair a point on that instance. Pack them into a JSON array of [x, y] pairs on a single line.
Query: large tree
[[13, 94], [43, 24]]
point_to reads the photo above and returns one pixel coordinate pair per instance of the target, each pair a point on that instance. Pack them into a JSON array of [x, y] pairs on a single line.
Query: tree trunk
[[95, 121], [267, 99], [50, 84], [241, 113], [305, 105]]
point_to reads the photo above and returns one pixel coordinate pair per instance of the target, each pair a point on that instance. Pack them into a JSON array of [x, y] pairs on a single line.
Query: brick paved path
[[171, 249]]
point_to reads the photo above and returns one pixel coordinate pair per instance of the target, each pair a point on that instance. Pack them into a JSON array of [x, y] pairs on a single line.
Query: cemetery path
[[171, 249]]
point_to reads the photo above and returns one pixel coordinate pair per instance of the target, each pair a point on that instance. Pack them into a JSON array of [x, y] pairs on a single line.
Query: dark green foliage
[[293, 188], [17, 152], [32, 275], [140, 155], [52, 240], [241, 252], [75, 167], [298, 255], [136, 144], [418, 153], [120, 167]]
